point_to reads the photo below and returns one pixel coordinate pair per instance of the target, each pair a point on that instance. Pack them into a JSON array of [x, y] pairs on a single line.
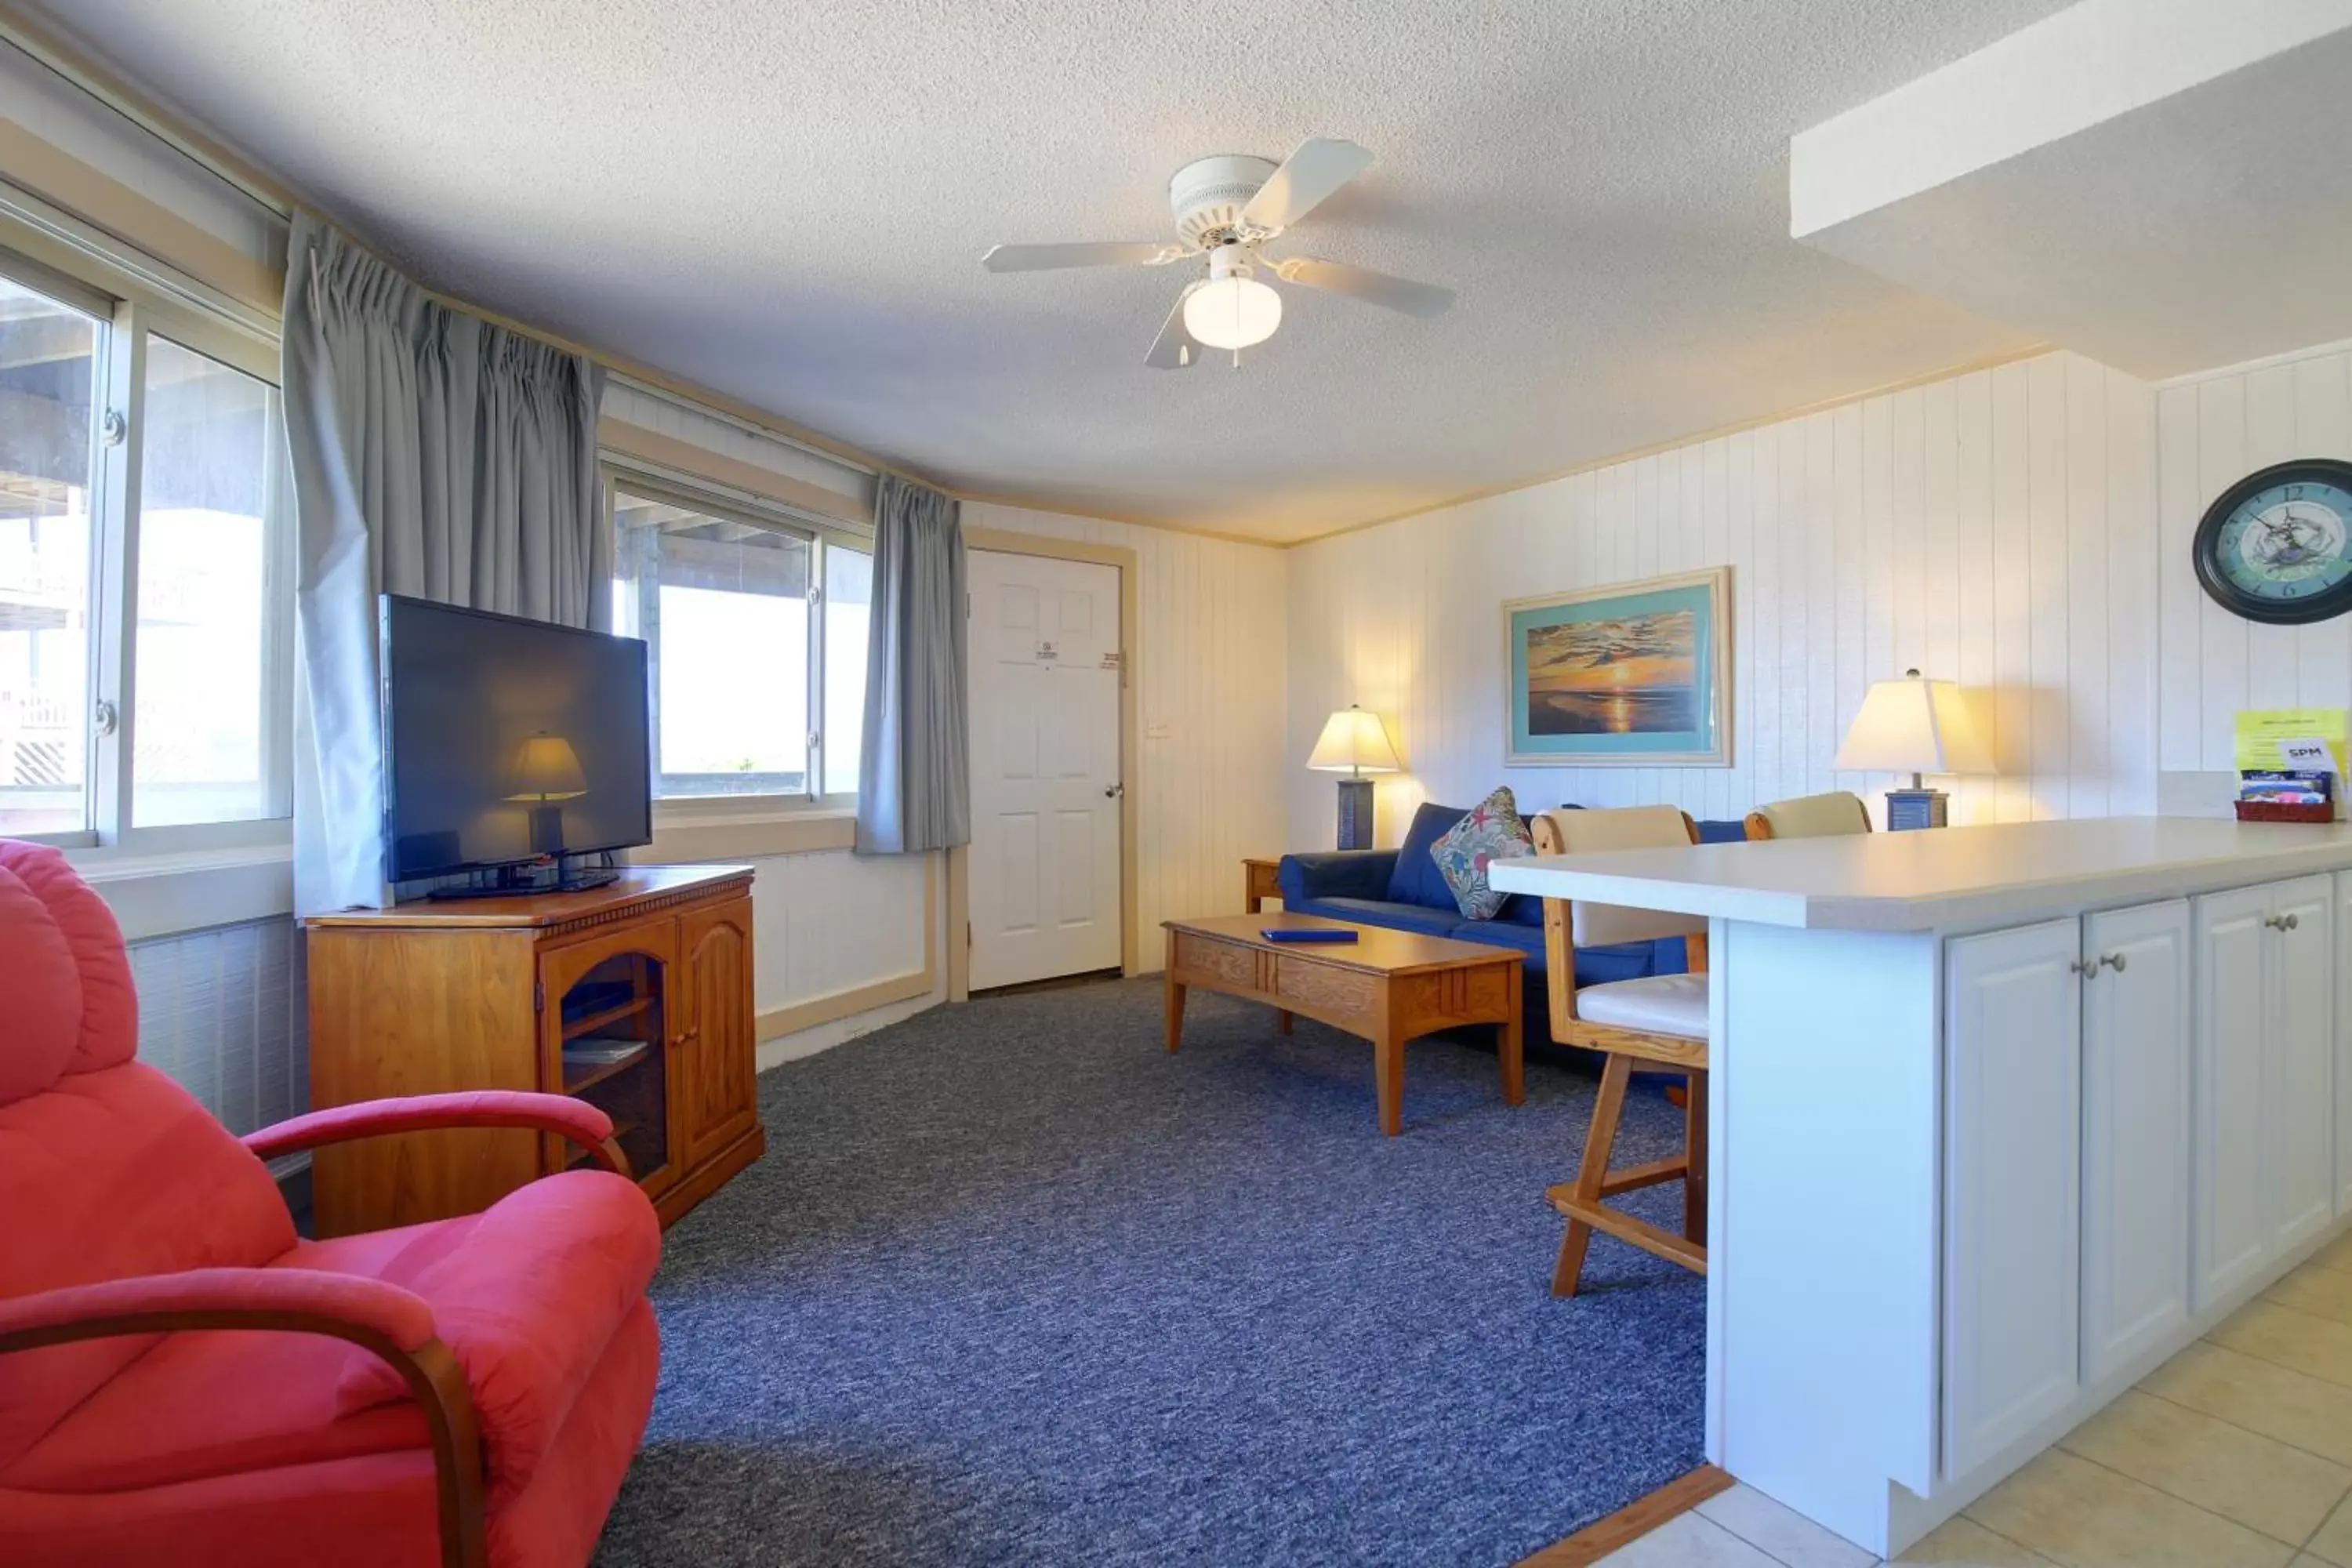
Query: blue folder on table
[[1307, 933]]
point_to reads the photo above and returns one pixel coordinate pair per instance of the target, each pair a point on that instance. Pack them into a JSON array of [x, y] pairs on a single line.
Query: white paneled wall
[[2212, 431], [223, 1012], [1997, 528], [1211, 656], [830, 920]]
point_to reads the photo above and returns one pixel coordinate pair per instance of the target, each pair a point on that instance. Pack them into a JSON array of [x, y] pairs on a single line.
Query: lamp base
[[547, 830], [1907, 808], [1355, 813]]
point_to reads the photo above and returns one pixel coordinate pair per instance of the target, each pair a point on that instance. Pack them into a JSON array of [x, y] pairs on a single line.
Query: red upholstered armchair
[[183, 1381]]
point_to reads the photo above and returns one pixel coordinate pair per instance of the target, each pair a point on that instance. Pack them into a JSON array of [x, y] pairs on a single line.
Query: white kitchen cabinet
[[2136, 1131], [2300, 1048], [2344, 1043], [2013, 1257], [2266, 1107]]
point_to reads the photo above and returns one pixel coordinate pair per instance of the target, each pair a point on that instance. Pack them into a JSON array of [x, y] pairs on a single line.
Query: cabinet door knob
[[2112, 960], [2085, 967], [2282, 923]]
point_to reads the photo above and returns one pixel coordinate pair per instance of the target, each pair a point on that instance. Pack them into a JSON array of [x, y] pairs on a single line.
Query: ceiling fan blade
[[1099, 253], [1174, 348], [1309, 175], [1363, 283]]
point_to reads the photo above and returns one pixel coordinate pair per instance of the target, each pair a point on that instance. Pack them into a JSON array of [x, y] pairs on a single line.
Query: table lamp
[[1354, 743], [546, 770], [1914, 726]]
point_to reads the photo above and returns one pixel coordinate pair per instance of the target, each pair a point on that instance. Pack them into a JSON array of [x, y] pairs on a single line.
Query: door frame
[[1005, 543]]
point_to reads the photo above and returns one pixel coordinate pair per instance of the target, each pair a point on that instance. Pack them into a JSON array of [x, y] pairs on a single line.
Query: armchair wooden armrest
[[391, 1324], [575, 1120]]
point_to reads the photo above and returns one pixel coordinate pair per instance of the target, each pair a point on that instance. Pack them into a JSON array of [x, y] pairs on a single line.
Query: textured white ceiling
[[790, 204]]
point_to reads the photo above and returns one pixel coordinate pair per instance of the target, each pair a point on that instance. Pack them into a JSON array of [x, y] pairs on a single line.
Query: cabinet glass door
[[609, 1007]]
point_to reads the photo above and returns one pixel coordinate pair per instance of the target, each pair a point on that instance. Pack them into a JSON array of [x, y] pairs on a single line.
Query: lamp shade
[[1914, 726], [1232, 312], [546, 768], [1354, 742]]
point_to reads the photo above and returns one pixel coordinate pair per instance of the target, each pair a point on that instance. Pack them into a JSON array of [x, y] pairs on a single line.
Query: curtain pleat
[[437, 456], [914, 781]]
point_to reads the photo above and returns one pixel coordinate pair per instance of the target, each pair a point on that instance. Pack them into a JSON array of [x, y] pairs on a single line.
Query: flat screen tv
[[508, 742]]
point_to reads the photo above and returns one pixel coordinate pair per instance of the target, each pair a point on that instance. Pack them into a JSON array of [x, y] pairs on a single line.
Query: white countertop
[[1939, 878]]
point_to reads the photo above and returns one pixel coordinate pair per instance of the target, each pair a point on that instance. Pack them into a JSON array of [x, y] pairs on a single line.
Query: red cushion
[[44, 992], [528, 1300], [110, 1175], [108, 1010]]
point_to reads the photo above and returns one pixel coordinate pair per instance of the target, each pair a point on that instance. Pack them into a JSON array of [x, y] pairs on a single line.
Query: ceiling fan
[[1227, 207]]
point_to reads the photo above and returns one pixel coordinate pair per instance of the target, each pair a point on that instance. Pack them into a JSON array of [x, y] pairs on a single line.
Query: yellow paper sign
[[2284, 738]]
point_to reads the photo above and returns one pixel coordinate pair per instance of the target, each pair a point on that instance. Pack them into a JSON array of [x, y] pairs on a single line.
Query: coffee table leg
[[1388, 1080], [1282, 1020], [1175, 995], [1511, 1048]]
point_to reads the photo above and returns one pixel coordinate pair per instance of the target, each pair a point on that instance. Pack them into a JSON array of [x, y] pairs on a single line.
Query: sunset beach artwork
[[1632, 673]]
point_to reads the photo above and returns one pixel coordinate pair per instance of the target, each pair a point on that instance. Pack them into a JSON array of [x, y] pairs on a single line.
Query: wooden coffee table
[[1386, 987]]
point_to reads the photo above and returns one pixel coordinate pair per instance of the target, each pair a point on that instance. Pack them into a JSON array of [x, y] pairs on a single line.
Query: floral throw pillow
[[1492, 831]]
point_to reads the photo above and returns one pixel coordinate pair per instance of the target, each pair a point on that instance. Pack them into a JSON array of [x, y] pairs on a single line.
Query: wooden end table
[[1386, 987], [1261, 880]]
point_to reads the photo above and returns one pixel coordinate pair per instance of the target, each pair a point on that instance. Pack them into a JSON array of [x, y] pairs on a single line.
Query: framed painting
[[1629, 675]]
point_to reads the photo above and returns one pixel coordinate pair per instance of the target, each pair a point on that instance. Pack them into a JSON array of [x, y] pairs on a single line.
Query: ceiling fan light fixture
[[1236, 311]]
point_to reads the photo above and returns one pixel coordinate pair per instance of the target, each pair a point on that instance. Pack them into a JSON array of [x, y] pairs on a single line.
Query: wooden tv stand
[[648, 981]]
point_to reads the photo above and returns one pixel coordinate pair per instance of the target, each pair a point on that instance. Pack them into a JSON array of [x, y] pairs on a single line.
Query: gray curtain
[[914, 782], [435, 455]]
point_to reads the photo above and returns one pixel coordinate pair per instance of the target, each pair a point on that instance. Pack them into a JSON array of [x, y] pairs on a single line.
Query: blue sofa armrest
[[1338, 874]]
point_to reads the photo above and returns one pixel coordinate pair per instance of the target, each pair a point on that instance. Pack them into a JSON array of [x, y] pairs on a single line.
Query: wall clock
[[2277, 546]]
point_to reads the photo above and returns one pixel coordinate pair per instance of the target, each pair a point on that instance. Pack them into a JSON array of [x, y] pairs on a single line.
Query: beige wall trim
[[146, 226], [794, 1016], [1132, 519], [1129, 803], [720, 839], [668, 451]]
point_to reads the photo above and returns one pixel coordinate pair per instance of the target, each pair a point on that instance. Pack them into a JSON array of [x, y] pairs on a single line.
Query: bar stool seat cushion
[[1656, 1004]]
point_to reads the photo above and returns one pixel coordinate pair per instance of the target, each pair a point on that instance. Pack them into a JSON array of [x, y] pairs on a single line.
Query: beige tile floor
[[2237, 1453]]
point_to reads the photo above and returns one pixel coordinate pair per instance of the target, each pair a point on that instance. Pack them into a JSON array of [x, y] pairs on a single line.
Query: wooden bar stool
[[1809, 816], [1657, 1022]]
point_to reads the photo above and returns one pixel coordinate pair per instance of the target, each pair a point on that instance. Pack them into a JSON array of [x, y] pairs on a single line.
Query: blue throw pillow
[[1417, 879]]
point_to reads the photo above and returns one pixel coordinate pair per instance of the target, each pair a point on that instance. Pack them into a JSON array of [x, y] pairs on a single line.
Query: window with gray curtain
[[914, 786], [435, 455]]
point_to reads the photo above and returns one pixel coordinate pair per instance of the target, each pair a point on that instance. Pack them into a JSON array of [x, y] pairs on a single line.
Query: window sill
[[164, 895], [684, 834]]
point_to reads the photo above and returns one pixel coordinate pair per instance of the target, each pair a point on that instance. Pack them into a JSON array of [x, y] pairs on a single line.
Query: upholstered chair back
[[1811, 816], [1621, 827], [108, 1169]]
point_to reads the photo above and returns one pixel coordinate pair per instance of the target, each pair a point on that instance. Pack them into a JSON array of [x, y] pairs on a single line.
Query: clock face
[[2277, 546]]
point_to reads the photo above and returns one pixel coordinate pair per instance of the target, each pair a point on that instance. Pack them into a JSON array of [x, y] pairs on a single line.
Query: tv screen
[[507, 738]]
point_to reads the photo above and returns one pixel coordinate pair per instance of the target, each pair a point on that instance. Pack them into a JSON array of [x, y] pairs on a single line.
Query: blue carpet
[[1014, 1285]]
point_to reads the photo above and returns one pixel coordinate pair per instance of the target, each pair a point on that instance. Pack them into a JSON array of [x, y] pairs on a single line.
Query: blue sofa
[[1401, 889]]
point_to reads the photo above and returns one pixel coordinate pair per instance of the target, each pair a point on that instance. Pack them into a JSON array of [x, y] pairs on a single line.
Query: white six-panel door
[[2136, 1131], [1045, 859]]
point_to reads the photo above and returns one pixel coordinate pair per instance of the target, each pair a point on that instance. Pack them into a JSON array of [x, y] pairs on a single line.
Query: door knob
[[1112, 792]]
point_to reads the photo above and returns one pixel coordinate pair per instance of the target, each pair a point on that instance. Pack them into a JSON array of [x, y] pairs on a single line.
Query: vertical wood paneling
[[1977, 528]]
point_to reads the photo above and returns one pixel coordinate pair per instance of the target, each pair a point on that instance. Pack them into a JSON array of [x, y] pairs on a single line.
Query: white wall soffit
[[2158, 183]]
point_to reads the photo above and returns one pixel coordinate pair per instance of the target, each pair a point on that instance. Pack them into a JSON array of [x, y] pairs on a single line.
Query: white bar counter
[[1943, 879], [2001, 1118]]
